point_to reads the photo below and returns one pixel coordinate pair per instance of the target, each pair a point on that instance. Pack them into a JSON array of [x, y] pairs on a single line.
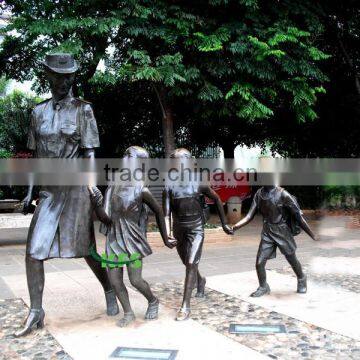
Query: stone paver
[[344, 280], [75, 316], [302, 340], [329, 307], [75, 306], [40, 345], [14, 220]]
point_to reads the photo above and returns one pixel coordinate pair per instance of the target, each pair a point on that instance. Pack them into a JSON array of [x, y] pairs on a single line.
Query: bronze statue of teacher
[[62, 226]]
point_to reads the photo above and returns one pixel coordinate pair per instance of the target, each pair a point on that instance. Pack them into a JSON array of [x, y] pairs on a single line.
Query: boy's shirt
[[276, 206]]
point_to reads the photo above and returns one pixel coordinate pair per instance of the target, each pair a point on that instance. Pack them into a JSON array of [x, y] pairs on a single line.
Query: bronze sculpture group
[[62, 226]]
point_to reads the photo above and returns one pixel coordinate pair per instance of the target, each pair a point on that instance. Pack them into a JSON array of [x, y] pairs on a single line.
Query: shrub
[[15, 113]]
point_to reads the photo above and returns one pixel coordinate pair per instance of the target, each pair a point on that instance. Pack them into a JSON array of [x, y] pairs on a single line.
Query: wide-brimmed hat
[[61, 63]]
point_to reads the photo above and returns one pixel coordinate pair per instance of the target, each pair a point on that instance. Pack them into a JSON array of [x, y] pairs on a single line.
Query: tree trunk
[[167, 122], [168, 131], [228, 149]]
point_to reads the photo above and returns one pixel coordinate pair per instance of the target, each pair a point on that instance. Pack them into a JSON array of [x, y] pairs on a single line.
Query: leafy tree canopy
[[229, 61]]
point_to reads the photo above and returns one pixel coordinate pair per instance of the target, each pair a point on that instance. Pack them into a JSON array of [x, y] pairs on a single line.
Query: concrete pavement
[[75, 304]]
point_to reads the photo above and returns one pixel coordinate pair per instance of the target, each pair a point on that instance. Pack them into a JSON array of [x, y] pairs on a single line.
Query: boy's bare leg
[[301, 277], [261, 273]]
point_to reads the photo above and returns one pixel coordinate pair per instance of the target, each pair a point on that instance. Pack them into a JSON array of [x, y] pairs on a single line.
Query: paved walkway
[[75, 305]]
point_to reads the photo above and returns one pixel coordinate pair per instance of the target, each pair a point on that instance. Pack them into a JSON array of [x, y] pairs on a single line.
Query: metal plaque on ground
[[256, 329], [143, 354]]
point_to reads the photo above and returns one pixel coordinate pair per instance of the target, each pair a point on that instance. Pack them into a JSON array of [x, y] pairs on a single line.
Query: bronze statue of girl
[[123, 214]]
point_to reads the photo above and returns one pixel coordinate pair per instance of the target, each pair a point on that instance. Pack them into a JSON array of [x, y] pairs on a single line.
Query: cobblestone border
[[216, 311], [345, 281], [302, 340], [39, 345]]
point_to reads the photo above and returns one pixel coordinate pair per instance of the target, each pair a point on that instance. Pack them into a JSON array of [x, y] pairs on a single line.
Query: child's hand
[[171, 242], [95, 195], [228, 230]]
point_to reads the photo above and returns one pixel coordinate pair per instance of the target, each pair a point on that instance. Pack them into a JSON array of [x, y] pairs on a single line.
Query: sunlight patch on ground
[[335, 265]]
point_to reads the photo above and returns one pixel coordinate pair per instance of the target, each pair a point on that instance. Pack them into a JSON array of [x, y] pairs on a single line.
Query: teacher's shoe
[[34, 319]]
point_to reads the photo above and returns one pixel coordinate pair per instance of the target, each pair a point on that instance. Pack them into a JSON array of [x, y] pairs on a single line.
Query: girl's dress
[[127, 234]]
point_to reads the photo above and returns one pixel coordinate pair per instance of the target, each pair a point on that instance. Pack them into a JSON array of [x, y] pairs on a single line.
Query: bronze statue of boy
[[282, 220]]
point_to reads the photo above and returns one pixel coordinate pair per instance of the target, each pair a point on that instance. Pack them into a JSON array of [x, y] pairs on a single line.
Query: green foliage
[[226, 66], [335, 132], [210, 93], [5, 154], [202, 49], [347, 197], [4, 83], [15, 112], [251, 107], [212, 42]]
